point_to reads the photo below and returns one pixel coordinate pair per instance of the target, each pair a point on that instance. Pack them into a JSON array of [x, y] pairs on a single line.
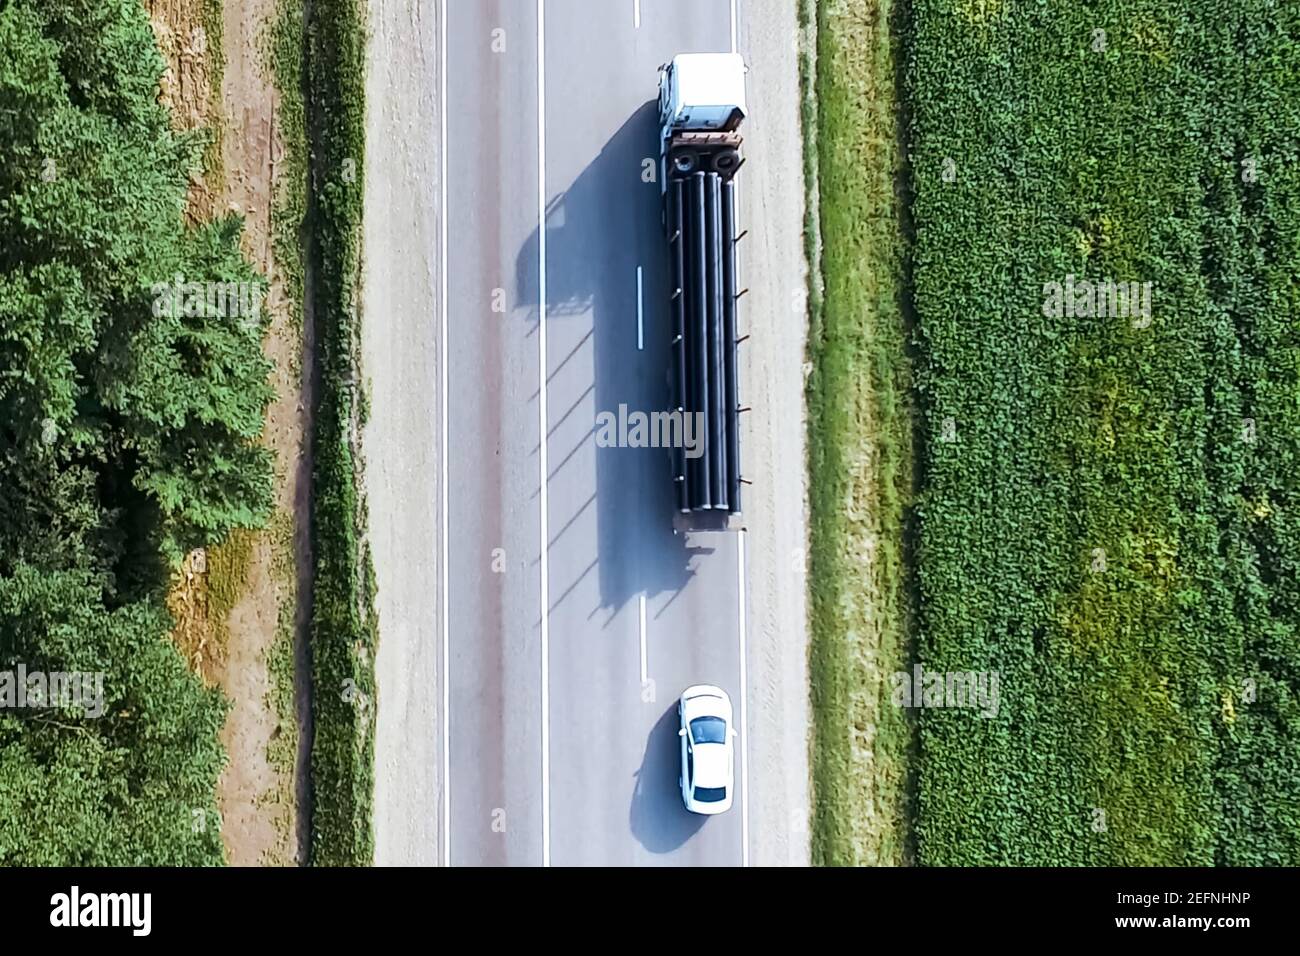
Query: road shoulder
[[401, 440], [774, 269]]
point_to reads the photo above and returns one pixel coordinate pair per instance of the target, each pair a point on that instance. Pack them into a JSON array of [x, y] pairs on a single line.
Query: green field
[[1106, 517]]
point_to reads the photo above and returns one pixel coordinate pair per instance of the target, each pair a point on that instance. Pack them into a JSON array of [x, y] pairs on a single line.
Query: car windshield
[[709, 730], [710, 794]]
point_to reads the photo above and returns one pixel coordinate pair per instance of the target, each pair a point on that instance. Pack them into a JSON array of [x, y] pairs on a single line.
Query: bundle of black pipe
[[701, 229]]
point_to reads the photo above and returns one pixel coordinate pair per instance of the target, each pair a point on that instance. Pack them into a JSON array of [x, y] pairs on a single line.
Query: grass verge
[[860, 435], [284, 52], [342, 625], [282, 751], [214, 30]]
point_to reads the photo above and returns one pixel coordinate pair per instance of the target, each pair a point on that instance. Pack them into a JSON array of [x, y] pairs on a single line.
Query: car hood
[[707, 706]]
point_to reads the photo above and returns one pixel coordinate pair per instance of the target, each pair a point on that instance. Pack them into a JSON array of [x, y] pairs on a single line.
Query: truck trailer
[[701, 109]]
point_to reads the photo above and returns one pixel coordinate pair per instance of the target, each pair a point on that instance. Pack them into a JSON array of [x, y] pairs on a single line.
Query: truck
[[701, 109]]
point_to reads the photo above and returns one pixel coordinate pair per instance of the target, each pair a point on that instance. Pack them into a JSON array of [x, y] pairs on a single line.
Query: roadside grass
[[282, 751], [283, 51], [201, 594], [860, 436], [343, 625], [214, 169], [227, 576]]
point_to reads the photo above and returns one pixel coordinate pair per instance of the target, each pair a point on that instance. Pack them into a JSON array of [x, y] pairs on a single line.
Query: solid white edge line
[[636, 13], [640, 336], [744, 698], [741, 599], [446, 616], [645, 666], [541, 421]]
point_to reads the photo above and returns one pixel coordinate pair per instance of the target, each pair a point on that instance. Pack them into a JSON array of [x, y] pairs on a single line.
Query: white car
[[708, 757]]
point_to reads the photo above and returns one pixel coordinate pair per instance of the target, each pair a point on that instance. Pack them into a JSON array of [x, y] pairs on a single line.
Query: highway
[[572, 616]]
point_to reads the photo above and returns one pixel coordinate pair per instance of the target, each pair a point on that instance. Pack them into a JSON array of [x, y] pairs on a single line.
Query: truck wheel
[[726, 161], [686, 161]]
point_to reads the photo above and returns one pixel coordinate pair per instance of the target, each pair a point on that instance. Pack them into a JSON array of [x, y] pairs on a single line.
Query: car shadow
[[659, 820]]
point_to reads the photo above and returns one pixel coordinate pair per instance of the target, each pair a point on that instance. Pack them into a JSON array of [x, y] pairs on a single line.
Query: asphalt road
[[563, 663]]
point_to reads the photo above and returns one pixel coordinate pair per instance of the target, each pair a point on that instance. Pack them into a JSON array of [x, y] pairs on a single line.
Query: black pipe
[[698, 353], [677, 305], [717, 449], [732, 427]]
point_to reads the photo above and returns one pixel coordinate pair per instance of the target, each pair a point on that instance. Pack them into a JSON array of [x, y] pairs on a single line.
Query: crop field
[[1108, 522], [1101, 243]]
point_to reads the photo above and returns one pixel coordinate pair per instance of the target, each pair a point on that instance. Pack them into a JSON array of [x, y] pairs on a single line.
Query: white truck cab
[[702, 92], [701, 108]]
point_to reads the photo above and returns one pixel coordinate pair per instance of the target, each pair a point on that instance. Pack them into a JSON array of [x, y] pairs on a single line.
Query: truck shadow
[[658, 819], [598, 232]]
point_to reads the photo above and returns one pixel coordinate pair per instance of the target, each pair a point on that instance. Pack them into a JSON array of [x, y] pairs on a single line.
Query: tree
[[129, 427], [126, 780]]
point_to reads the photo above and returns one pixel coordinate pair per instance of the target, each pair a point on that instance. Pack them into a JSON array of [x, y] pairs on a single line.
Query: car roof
[[711, 765]]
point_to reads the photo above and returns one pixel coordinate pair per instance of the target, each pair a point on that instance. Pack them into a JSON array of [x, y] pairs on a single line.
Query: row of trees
[[128, 435]]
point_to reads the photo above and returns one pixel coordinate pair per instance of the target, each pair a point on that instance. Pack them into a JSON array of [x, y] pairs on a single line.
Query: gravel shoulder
[[774, 269], [401, 439]]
